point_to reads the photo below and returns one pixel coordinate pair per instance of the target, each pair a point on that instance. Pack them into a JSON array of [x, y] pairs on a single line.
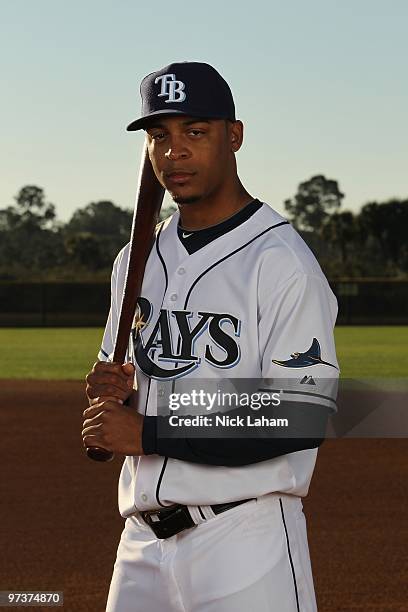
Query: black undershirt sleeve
[[305, 420]]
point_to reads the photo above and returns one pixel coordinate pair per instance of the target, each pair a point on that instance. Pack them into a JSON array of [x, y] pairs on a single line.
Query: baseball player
[[231, 293]]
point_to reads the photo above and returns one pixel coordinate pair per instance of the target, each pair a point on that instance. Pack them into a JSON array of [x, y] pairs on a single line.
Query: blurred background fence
[[53, 304], [361, 302]]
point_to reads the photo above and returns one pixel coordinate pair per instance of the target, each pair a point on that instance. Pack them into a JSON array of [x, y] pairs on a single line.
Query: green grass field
[[68, 354]]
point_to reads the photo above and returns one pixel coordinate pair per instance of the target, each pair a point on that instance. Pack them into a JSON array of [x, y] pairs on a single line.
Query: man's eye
[[158, 136], [196, 132]]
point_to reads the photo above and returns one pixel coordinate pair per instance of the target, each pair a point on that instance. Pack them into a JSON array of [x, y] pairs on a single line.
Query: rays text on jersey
[[154, 345]]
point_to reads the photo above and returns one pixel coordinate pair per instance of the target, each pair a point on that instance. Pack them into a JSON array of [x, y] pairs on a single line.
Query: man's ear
[[236, 135]]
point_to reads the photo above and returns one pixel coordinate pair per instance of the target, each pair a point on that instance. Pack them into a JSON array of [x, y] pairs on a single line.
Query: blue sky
[[320, 86]]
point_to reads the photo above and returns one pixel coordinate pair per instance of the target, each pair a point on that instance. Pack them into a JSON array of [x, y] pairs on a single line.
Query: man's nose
[[176, 150]]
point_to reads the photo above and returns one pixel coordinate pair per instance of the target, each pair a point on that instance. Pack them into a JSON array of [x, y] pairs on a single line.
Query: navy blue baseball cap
[[184, 88]]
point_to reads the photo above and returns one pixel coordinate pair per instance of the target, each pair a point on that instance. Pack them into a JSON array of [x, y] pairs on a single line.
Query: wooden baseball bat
[[149, 198]]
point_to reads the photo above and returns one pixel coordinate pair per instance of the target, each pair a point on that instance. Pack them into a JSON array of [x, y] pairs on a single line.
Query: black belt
[[169, 521]]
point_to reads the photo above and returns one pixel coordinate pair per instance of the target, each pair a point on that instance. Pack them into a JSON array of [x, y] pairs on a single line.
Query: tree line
[[35, 245]]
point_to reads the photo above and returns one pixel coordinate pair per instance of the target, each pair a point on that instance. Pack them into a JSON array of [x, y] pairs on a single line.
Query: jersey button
[[160, 392], [173, 297], [144, 497], [181, 270]]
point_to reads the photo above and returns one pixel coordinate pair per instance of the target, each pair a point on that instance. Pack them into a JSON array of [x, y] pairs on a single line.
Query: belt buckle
[[168, 522]]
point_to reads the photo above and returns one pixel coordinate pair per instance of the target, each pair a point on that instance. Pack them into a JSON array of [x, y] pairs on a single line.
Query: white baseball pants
[[252, 558]]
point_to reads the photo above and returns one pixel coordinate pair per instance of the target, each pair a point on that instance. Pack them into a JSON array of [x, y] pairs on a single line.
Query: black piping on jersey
[[201, 512], [104, 353], [161, 259], [230, 255], [300, 393], [290, 556], [159, 481], [268, 229], [166, 283], [147, 395], [166, 458], [166, 276]]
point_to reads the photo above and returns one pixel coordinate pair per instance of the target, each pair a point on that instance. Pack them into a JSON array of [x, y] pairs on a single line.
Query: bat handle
[[99, 454]]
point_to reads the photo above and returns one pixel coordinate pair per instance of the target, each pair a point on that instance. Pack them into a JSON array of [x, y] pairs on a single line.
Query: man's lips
[[178, 177]]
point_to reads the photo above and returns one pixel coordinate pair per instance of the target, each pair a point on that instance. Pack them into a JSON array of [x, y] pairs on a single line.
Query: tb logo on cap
[[170, 87]]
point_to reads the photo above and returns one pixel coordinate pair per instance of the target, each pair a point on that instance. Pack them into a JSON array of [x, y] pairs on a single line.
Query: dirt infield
[[60, 526]]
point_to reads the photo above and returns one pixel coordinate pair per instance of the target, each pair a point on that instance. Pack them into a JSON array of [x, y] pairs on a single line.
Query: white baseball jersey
[[252, 304]]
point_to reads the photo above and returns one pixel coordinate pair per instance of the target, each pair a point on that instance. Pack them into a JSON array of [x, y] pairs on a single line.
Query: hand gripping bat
[[149, 198]]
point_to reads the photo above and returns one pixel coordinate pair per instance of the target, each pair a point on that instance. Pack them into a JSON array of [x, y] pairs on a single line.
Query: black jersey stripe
[[163, 263], [268, 229], [290, 556], [166, 276], [159, 482], [104, 353], [147, 395]]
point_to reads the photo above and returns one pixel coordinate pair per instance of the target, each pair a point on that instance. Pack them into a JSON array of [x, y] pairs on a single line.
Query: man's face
[[191, 157]]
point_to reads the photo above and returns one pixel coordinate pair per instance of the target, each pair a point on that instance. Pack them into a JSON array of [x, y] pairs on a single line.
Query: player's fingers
[[106, 367], [91, 428], [128, 369], [99, 399], [124, 371], [95, 420], [110, 378], [92, 412], [95, 440], [100, 408], [107, 390]]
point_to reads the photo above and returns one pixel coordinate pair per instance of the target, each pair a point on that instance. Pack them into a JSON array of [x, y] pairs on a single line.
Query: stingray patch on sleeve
[[302, 360]]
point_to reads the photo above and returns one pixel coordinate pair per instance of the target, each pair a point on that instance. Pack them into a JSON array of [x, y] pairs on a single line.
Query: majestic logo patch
[[172, 340], [170, 87], [302, 360], [307, 380]]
